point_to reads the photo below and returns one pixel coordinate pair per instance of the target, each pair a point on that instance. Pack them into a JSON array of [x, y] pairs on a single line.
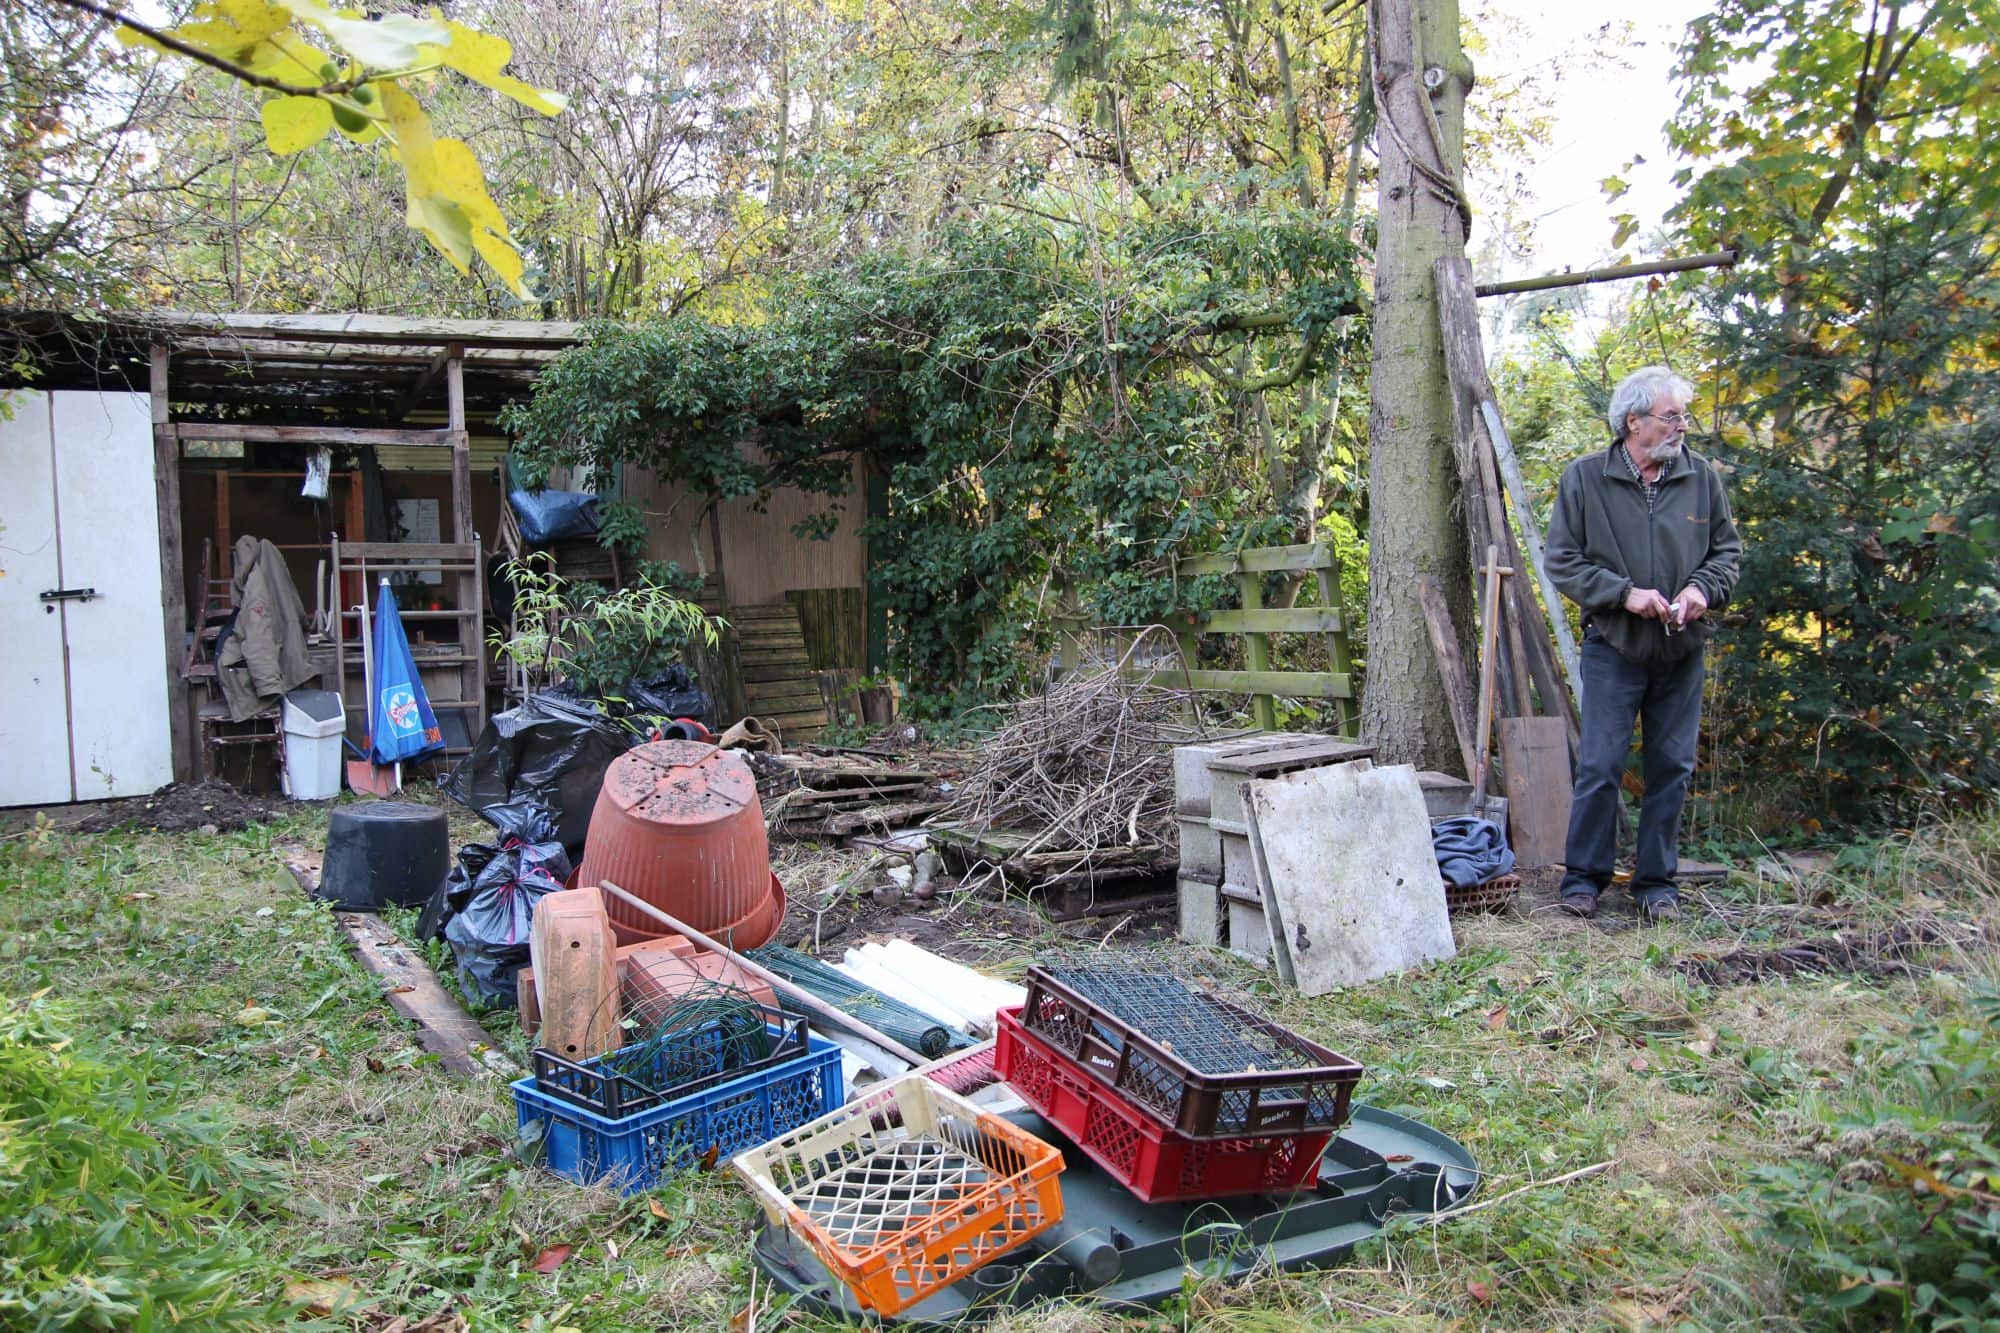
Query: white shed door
[[83, 712]]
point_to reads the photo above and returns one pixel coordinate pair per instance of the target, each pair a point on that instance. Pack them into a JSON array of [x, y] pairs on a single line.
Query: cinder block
[[1445, 796], [1237, 865], [1201, 850], [1191, 784], [1230, 773], [1201, 912], [1249, 937]]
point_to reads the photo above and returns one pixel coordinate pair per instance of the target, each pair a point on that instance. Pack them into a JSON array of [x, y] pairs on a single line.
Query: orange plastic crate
[[898, 1210]]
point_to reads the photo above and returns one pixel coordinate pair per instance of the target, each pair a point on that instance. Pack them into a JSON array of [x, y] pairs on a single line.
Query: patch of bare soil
[[1892, 952], [211, 807]]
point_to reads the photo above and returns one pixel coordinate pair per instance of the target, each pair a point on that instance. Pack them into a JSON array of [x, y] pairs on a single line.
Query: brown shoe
[[1579, 902]]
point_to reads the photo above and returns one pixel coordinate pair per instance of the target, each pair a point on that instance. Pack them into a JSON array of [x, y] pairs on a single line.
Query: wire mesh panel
[[1196, 1063], [907, 1190]]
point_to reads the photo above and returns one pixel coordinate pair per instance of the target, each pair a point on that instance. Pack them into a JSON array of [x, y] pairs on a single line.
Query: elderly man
[[1643, 543]]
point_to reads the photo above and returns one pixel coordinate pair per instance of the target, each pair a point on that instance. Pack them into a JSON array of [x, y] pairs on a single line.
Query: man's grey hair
[[1638, 392]]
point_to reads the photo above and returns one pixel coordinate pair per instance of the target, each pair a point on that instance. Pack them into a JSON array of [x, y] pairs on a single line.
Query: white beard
[[1663, 453]]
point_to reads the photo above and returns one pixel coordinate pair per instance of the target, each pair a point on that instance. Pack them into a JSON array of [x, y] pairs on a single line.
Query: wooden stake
[[1457, 690], [1489, 661]]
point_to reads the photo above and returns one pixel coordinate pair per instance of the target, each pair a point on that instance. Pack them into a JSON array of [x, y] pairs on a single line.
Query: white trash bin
[[314, 723]]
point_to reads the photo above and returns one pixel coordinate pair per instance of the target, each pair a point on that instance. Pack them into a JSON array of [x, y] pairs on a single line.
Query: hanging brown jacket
[[262, 652]]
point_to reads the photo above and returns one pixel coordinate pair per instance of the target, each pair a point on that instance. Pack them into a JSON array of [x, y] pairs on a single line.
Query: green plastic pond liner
[[894, 1019]]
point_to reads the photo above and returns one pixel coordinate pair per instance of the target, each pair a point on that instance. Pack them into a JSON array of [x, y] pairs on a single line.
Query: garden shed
[[141, 447]]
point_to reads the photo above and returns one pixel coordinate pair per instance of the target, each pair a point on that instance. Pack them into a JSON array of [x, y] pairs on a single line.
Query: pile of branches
[[1085, 766]]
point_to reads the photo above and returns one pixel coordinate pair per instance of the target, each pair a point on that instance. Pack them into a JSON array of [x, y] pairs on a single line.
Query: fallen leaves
[[322, 1296], [552, 1258]]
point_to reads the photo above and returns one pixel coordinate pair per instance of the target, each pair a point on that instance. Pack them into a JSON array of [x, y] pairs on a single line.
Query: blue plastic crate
[[632, 1152]]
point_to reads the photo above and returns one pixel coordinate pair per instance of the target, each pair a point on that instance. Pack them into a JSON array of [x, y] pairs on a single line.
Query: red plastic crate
[[1155, 1163]]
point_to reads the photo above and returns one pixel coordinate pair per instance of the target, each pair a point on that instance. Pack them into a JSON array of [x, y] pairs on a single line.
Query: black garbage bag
[[549, 753], [451, 896], [671, 694], [489, 932]]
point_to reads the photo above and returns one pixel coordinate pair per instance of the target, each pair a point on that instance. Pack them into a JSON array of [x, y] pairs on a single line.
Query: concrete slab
[[1352, 882]]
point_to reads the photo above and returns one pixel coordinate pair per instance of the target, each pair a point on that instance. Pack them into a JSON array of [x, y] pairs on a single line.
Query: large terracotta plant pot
[[677, 824]]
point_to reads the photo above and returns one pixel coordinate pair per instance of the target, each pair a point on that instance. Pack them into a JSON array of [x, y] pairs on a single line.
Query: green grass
[[356, 1169]]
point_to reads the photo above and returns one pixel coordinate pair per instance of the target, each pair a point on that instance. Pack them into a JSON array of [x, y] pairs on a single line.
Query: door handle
[[50, 596]]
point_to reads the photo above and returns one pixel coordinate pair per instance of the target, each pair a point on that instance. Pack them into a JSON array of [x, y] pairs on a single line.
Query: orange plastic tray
[[898, 1211]]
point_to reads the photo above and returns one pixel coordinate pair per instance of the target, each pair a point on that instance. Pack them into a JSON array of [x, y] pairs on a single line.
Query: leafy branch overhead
[[332, 69]]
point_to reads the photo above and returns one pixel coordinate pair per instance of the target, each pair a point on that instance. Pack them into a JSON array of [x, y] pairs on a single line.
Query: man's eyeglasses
[[1673, 418]]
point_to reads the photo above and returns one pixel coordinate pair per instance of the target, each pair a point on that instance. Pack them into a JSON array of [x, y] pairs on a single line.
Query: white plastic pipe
[[867, 1052], [872, 974], [936, 973], [969, 1004]]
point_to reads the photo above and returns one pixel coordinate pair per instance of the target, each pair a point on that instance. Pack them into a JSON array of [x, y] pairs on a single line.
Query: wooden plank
[[1292, 684], [1257, 651], [1275, 620], [1444, 646], [1336, 647], [256, 434], [413, 990], [1262, 560], [1458, 322], [173, 575], [1534, 761], [1531, 533], [833, 622], [380, 553], [367, 329], [764, 671], [1489, 658]]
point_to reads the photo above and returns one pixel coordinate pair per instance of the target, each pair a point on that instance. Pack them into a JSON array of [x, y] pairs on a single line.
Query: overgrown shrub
[[116, 1198], [1891, 1213], [1057, 415]]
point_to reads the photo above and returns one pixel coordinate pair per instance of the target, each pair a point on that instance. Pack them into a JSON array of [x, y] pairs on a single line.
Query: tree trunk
[[1412, 475]]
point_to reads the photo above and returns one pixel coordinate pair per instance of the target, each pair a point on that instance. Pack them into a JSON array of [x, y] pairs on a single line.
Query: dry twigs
[[1086, 768]]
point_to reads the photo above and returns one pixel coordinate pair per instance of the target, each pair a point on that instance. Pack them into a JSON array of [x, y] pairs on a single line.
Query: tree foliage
[[1842, 145]]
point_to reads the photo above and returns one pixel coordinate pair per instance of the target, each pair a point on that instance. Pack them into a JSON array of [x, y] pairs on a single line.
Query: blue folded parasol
[[401, 725]]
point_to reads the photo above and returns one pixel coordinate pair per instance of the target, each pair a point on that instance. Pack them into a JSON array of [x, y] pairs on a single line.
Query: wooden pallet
[[779, 685]]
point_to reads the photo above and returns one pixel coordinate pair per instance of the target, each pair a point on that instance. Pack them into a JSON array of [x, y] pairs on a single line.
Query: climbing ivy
[[1058, 414]]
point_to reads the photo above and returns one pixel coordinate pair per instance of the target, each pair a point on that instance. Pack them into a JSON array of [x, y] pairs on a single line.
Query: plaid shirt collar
[[1651, 488]]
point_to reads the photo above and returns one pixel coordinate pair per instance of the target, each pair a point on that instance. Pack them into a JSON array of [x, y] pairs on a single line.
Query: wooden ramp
[[779, 685]]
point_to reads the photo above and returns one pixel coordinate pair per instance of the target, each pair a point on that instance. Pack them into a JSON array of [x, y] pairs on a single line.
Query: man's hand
[[1646, 603], [1693, 603]]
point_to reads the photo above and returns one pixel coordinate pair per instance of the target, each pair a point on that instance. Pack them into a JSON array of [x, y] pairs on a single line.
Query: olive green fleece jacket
[[1603, 543]]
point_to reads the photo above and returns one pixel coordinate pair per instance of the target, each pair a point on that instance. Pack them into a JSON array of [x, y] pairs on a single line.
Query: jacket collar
[[1615, 467]]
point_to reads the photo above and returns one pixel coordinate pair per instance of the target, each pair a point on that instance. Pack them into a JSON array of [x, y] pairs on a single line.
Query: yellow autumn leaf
[[292, 124], [231, 29], [459, 170], [288, 56], [447, 198], [480, 56]]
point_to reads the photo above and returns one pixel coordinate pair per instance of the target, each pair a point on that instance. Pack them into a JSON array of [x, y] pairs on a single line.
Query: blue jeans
[[1666, 701]]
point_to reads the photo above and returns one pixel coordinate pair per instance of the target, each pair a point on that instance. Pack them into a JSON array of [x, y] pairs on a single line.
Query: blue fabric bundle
[[1470, 851]]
